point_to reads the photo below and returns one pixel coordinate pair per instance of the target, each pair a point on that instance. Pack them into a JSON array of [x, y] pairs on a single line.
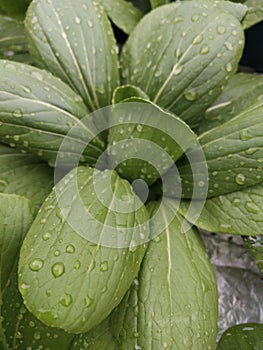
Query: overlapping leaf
[[161, 308], [37, 112], [254, 246], [72, 273], [14, 8], [187, 51], [75, 42]]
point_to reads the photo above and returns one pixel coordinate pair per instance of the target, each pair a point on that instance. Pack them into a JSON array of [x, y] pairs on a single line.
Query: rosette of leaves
[[180, 61]]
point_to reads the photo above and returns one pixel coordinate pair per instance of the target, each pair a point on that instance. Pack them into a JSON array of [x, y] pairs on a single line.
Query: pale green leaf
[[233, 152], [173, 302], [123, 14], [186, 53], [37, 112], [126, 92], [246, 336], [254, 245], [75, 41], [238, 213], [145, 140], [83, 250], [24, 175], [254, 14]]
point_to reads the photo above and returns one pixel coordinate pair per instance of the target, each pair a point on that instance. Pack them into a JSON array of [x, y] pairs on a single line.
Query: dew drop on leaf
[[58, 269], [70, 249], [104, 266], [190, 95], [221, 29], [240, 179], [88, 301], [251, 207], [66, 300], [36, 264]]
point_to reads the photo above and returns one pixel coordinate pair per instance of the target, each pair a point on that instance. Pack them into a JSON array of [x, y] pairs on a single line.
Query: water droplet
[[190, 95], [229, 67], [260, 160], [251, 150], [252, 207], [17, 113], [104, 266], [240, 179], [32, 324], [43, 221], [198, 39], [36, 264], [204, 50], [195, 18], [70, 249], [77, 265], [236, 201], [46, 236], [139, 127], [201, 183], [37, 336], [221, 29], [58, 269], [27, 90], [57, 252], [66, 300], [77, 20], [245, 135], [225, 226], [177, 70], [228, 45], [90, 23], [88, 301]]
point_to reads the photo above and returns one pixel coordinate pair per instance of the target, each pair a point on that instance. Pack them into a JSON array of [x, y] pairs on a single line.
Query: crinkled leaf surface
[[25, 175], [123, 14], [254, 246], [145, 140], [19, 329], [254, 14], [184, 57], [173, 302], [242, 92], [238, 213], [74, 41], [247, 336], [37, 112], [234, 154], [69, 276]]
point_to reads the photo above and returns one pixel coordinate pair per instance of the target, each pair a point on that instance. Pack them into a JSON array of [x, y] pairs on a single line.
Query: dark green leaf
[[25, 175], [247, 336], [83, 250], [173, 302], [186, 53], [75, 42], [123, 14], [13, 42], [145, 140], [19, 329], [238, 213], [254, 246], [14, 8], [234, 154], [99, 338], [242, 91], [143, 6], [156, 3], [37, 112]]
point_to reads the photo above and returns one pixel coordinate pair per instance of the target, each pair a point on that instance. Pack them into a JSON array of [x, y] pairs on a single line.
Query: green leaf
[[173, 302], [83, 250], [234, 154], [75, 42], [126, 92], [37, 112], [19, 329], [144, 140], [246, 336], [24, 175], [123, 14], [14, 8], [186, 53], [236, 213], [254, 14], [242, 91], [254, 245], [143, 6], [98, 338], [13, 42], [156, 3]]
